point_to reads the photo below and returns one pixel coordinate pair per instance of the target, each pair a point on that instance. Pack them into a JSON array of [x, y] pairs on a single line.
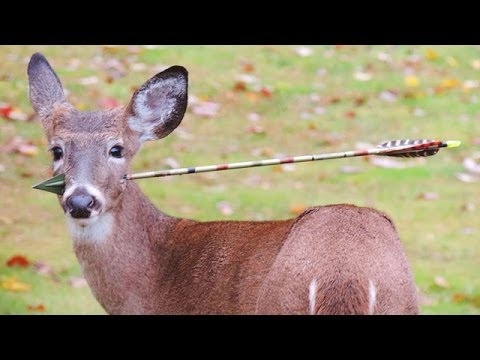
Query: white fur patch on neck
[[92, 230]]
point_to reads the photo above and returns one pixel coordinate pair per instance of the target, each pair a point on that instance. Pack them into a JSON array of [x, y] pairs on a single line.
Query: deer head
[[94, 149]]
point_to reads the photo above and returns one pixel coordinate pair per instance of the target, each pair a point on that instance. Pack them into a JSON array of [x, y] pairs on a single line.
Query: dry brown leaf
[[36, 308], [459, 297], [239, 86]]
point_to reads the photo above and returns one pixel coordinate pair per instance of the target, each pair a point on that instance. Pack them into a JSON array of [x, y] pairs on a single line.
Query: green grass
[[440, 236]]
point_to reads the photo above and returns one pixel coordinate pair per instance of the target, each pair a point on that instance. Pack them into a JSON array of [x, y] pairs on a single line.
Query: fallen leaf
[[225, 208], [252, 96], [20, 146], [411, 81], [388, 96], [36, 308], [205, 108], [77, 282], [441, 282], [459, 297], [319, 110], [246, 78], [359, 99], [12, 284], [384, 57], [386, 162], [475, 64], [239, 86], [362, 75], [467, 230], [470, 85], [451, 61], [350, 169], [247, 67], [418, 112], [253, 117], [297, 209], [304, 51], [255, 129], [288, 167], [109, 103], [90, 80], [428, 196], [18, 260], [5, 110], [43, 268], [137, 67], [468, 207], [472, 164], [350, 114], [450, 83], [265, 92], [330, 99], [431, 55], [467, 178], [171, 163]]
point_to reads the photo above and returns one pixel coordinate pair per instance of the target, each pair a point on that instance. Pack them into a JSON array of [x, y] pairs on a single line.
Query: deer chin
[[94, 229]]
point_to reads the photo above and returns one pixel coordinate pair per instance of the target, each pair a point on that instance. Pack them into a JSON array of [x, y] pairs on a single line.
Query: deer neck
[[121, 253]]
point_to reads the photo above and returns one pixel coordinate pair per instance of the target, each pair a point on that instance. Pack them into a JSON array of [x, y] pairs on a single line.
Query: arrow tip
[[54, 185], [453, 143]]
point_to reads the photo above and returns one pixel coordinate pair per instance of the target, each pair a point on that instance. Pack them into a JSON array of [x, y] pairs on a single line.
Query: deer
[[334, 259]]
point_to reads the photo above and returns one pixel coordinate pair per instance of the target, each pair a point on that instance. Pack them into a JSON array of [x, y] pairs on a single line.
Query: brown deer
[[334, 259]]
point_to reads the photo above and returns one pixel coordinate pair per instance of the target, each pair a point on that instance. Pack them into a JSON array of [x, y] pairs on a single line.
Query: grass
[[439, 235]]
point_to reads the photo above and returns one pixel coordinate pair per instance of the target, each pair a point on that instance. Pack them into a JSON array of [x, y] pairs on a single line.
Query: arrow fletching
[[397, 148], [414, 148]]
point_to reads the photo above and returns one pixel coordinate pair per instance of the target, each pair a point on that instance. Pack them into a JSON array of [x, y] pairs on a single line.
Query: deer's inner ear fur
[[158, 107]]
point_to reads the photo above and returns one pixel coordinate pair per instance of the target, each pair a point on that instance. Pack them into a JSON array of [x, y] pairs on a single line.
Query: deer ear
[[45, 89], [157, 108]]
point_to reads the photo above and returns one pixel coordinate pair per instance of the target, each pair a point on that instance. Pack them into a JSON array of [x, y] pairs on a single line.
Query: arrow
[[397, 148]]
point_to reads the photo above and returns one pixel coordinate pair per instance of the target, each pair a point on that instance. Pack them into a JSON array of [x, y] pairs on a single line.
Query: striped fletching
[[416, 147]]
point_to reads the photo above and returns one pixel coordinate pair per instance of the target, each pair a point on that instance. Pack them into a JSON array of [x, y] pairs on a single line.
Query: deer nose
[[80, 205]]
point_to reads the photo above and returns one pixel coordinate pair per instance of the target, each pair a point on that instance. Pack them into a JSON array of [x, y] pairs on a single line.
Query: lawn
[[252, 103]]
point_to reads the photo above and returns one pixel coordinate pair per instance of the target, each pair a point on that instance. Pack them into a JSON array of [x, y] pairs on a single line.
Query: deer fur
[[334, 259]]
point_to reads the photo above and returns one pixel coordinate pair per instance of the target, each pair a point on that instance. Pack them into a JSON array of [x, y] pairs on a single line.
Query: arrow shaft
[[401, 150]]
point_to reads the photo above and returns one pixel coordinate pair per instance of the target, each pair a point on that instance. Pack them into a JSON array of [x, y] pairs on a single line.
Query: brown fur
[[152, 263]]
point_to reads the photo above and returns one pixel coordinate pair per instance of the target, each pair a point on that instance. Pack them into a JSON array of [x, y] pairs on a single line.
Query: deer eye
[[116, 151], [57, 153]]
